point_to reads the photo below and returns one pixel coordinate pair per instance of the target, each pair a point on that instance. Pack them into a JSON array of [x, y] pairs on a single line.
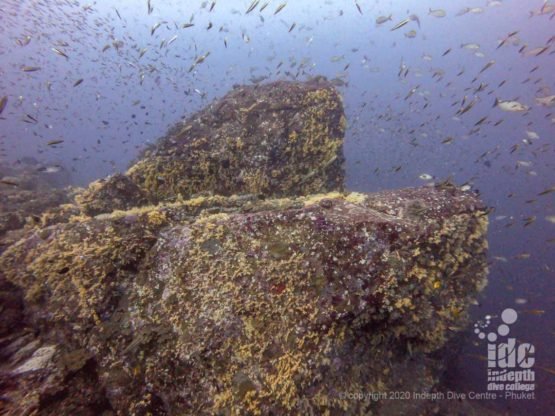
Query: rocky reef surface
[[277, 139], [226, 272], [25, 193]]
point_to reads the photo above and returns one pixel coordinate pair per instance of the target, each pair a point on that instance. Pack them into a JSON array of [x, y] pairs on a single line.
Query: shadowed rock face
[[277, 139], [220, 304]]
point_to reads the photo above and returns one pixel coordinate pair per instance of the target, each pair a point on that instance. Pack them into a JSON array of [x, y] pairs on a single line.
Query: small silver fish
[[50, 169], [23, 42], [9, 182], [59, 52], [511, 106], [252, 6], [487, 66], [153, 29], [547, 191], [280, 8], [546, 101], [536, 51], [26, 68], [400, 24], [532, 135], [437, 13], [382, 19], [173, 39], [470, 46]]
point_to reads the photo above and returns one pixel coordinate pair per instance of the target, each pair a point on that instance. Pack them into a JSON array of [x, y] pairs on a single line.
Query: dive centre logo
[[510, 363]]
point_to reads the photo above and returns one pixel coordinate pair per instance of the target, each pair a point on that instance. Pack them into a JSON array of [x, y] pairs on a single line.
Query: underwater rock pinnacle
[[276, 139], [234, 304]]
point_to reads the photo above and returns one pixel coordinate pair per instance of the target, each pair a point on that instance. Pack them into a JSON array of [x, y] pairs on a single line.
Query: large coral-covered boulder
[[276, 139], [235, 305]]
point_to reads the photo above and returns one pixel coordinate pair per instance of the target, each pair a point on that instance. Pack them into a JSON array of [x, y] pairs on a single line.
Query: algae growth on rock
[[231, 303]]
